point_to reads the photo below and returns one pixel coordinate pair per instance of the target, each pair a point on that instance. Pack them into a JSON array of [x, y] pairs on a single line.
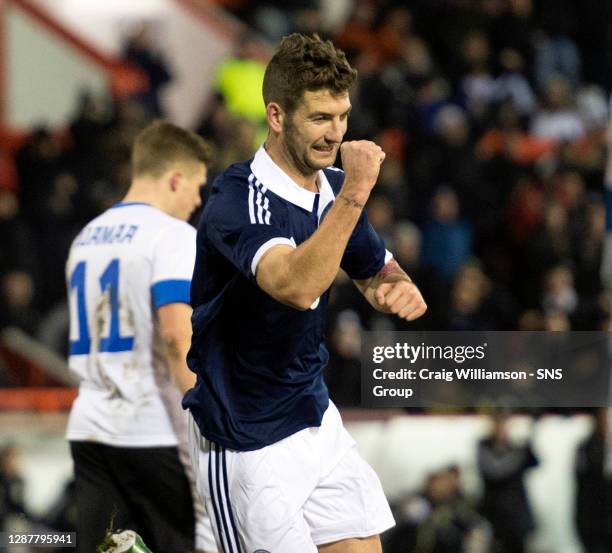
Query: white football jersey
[[124, 265]]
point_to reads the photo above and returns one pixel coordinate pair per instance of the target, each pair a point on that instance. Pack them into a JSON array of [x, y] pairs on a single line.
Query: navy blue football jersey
[[259, 362]]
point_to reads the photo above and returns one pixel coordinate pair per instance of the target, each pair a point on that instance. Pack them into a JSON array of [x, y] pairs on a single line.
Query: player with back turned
[[278, 471], [129, 273]]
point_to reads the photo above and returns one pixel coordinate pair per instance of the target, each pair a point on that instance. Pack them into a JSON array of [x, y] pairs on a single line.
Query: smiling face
[[312, 134]]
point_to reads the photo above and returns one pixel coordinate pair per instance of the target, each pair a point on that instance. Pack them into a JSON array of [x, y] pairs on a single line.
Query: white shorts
[[308, 489]]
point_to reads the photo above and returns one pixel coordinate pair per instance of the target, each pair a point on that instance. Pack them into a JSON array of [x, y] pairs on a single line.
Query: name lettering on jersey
[[100, 235]]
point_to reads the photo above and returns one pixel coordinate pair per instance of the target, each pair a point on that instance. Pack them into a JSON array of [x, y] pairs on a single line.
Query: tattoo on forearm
[[392, 268], [351, 202]]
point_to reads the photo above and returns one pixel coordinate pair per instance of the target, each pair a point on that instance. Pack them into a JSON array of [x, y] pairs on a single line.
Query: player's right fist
[[361, 161]]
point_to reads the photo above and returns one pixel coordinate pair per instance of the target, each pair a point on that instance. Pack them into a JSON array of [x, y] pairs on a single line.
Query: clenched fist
[[402, 298], [361, 161]]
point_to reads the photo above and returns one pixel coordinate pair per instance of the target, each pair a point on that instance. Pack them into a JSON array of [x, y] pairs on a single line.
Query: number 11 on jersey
[[109, 284]]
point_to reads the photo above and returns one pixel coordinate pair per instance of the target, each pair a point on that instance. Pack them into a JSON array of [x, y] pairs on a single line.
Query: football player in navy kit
[[275, 465]]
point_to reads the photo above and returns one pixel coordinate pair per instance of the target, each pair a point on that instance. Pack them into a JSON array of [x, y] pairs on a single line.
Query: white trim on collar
[[275, 179]]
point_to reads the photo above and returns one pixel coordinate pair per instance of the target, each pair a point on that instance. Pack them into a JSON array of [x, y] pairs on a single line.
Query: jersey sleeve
[[173, 262], [365, 252], [240, 224]]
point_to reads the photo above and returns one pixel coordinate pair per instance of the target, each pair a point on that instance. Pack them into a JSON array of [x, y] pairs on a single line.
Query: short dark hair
[[162, 144], [303, 63]]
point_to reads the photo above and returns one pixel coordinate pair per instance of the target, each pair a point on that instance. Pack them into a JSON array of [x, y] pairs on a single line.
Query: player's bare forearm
[[176, 354], [299, 276], [390, 273], [175, 327], [392, 291]]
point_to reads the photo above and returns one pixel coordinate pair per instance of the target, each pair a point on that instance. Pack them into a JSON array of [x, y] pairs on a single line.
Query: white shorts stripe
[[219, 493], [233, 535], [222, 499], [219, 526]]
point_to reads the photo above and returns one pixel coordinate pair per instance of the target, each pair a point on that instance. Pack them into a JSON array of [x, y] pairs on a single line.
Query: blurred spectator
[[59, 224], [477, 83], [18, 251], [406, 243], [531, 320], [475, 304], [556, 52], [594, 490], [556, 55], [469, 291], [448, 158], [440, 520], [358, 35], [16, 302], [275, 21], [11, 486], [525, 211], [394, 30], [38, 160], [589, 253], [506, 137], [502, 466], [557, 321], [88, 128], [415, 61], [559, 293], [559, 119], [446, 238], [393, 184], [343, 372], [549, 246], [431, 96], [381, 216], [139, 49], [592, 107], [512, 84]]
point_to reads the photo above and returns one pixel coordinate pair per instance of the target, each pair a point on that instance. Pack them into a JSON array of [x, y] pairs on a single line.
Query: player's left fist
[[402, 298]]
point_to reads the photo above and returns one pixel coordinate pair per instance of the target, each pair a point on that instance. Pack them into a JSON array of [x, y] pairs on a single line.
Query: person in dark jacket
[[502, 466]]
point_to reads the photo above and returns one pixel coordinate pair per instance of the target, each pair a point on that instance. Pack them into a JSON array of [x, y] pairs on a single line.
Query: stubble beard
[[302, 163]]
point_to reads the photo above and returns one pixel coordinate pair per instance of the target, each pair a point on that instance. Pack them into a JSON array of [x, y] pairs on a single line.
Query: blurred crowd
[[493, 116], [441, 518]]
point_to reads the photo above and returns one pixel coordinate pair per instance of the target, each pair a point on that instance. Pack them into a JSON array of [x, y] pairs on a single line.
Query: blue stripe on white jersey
[[170, 291]]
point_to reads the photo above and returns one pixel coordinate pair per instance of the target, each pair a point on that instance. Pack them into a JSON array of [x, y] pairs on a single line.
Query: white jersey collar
[[275, 179]]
